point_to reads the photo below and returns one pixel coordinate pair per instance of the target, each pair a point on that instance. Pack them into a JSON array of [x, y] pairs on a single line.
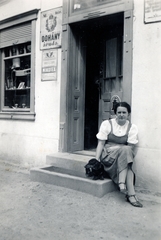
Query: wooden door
[[77, 62], [111, 81]]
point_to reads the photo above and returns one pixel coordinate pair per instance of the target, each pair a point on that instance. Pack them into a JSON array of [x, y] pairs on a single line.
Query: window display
[[17, 64]]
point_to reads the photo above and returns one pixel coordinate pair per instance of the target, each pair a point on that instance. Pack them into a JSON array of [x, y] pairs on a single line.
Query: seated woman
[[116, 150]]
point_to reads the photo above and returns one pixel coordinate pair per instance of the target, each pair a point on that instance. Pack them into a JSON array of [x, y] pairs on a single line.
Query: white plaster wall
[[25, 142], [146, 103]]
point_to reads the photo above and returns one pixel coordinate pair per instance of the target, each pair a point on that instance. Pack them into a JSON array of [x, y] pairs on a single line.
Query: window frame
[[99, 10], [31, 17]]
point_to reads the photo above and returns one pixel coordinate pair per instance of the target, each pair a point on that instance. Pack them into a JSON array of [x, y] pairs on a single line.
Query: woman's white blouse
[[118, 131]]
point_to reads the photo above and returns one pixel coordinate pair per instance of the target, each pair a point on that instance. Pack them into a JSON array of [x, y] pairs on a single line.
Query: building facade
[[63, 66]]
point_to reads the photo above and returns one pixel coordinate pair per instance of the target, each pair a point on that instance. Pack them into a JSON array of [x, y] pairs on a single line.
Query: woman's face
[[121, 115]]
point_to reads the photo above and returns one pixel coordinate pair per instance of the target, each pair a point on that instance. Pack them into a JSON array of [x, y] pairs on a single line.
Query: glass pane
[[78, 5], [17, 77], [7, 52]]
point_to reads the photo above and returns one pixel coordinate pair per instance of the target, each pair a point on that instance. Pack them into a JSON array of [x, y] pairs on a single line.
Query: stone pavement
[[32, 210]]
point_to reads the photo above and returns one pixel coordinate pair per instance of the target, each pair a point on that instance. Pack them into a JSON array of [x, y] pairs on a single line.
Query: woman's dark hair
[[122, 104]]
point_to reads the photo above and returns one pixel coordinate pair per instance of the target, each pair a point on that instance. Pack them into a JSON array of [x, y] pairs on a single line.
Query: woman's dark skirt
[[115, 161]]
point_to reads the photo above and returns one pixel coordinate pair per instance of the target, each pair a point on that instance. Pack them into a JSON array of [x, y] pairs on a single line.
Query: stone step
[[67, 170], [71, 161]]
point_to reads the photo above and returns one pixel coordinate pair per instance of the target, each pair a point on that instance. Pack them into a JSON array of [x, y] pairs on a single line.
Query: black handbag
[[94, 169]]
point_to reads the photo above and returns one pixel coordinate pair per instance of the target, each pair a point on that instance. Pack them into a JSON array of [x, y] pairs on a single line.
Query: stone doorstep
[[73, 162]]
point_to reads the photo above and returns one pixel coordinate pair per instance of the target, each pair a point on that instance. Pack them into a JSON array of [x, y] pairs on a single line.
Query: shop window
[[17, 51], [83, 4], [79, 5], [17, 68]]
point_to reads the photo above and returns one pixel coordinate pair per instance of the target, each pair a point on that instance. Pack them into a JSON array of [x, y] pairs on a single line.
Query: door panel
[[111, 58], [77, 82], [111, 83]]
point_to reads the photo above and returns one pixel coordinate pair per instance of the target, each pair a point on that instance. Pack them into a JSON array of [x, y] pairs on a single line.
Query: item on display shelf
[[21, 85], [9, 83], [23, 105], [16, 63], [24, 72]]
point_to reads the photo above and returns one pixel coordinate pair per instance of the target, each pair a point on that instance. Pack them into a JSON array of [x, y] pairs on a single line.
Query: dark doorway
[[92, 90], [97, 32]]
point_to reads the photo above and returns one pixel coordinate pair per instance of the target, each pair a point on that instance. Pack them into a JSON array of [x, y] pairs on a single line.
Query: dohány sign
[[51, 28]]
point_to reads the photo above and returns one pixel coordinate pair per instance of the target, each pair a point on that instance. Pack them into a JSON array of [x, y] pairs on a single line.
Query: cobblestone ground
[[32, 211]]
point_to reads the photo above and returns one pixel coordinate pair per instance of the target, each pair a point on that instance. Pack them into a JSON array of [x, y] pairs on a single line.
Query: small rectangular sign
[[49, 64], [152, 11]]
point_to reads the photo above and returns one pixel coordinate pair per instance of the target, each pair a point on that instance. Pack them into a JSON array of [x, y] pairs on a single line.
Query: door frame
[[65, 90]]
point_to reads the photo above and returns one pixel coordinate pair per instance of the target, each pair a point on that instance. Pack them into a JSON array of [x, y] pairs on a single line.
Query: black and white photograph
[[80, 119]]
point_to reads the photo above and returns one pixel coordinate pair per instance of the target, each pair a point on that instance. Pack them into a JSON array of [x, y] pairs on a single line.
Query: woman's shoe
[[136, 203], [122, 190]]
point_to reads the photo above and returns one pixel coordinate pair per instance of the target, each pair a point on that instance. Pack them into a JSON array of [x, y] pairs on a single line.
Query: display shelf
[[18, 89], [22, 55]]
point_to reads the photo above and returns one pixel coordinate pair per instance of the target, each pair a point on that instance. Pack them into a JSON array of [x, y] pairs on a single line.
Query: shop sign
[[49, 64], [51, 28], [152, 11]]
